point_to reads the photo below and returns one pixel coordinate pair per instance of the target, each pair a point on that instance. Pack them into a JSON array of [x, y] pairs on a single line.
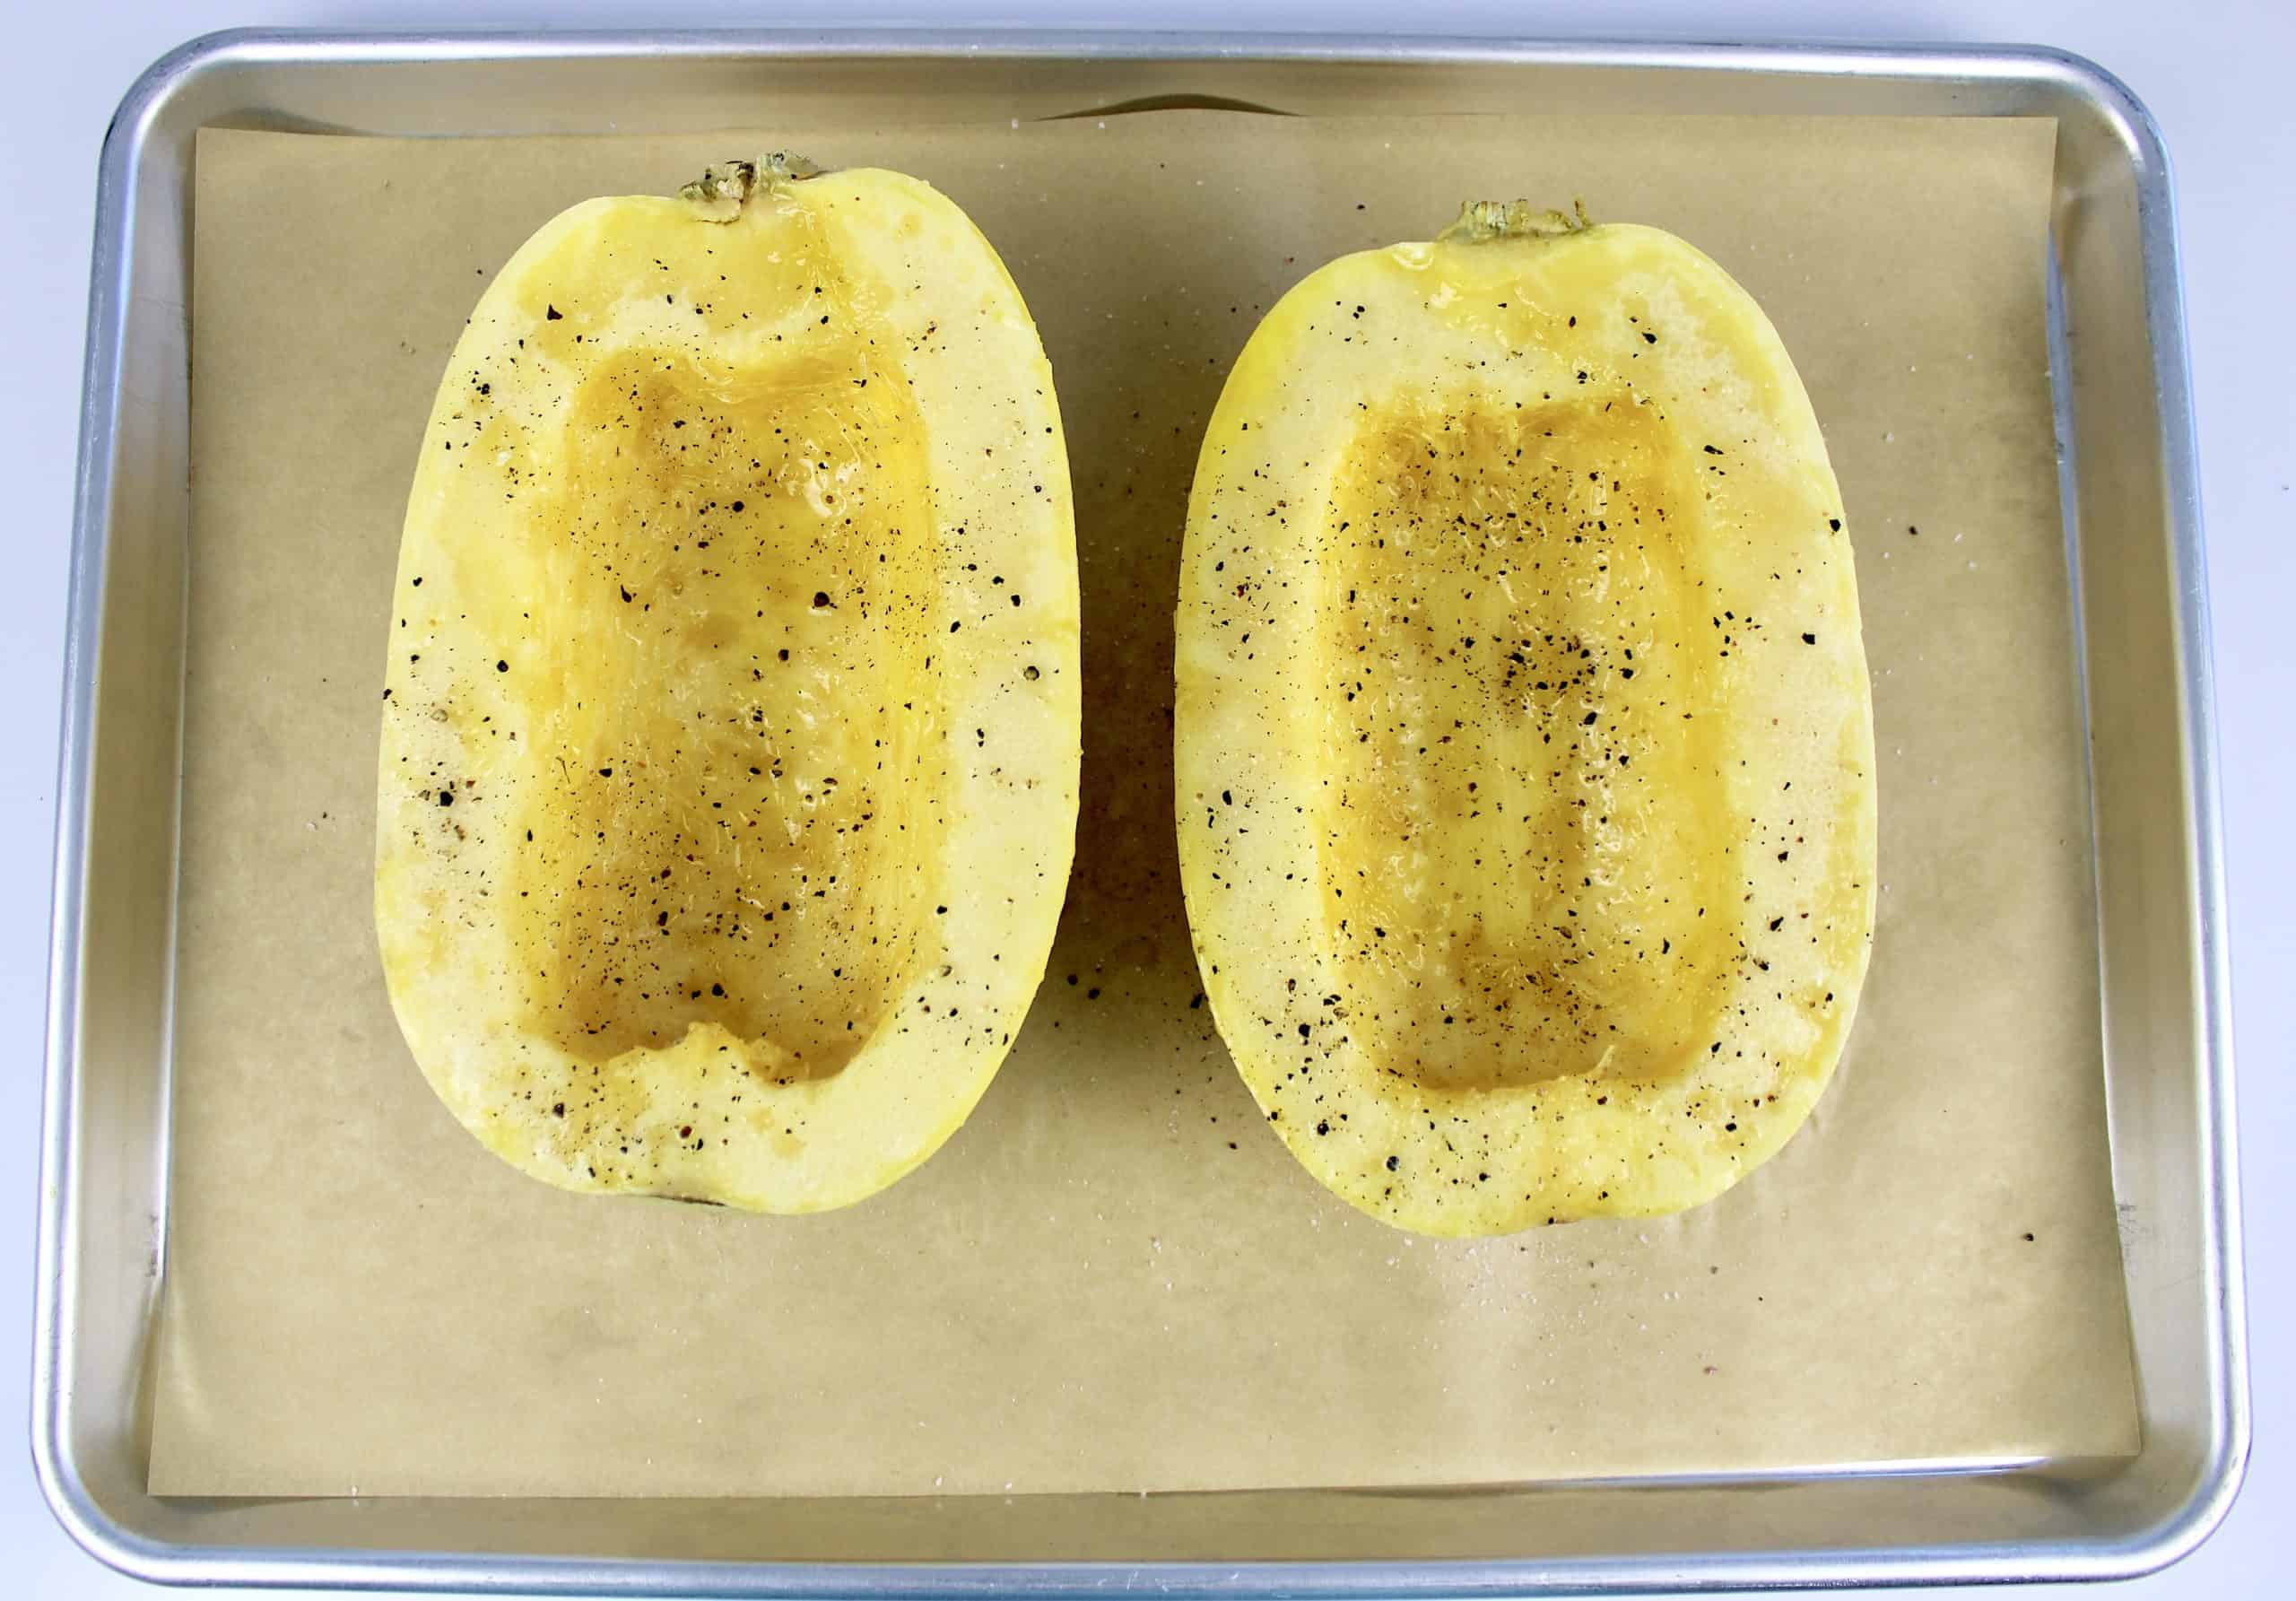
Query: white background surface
[[2217, 76]]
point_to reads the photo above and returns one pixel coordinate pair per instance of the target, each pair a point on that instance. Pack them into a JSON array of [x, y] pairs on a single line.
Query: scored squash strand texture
[[1525, 752], [729, 749]]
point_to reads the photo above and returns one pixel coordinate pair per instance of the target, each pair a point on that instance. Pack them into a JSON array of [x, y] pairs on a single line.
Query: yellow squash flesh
[[1525, 748], [730, 735]]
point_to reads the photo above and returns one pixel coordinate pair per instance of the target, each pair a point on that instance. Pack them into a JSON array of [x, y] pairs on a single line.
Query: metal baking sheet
[[2161, 950]]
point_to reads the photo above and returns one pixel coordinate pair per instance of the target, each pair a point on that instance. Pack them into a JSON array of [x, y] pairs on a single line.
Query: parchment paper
[[1114, 1277]]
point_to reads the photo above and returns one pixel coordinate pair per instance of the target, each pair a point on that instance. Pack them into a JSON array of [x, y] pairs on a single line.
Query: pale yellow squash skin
[[1525, 744], [730, 733]]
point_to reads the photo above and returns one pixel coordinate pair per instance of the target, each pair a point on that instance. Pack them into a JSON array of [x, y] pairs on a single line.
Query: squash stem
[[719, 194], [1483, 220]]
